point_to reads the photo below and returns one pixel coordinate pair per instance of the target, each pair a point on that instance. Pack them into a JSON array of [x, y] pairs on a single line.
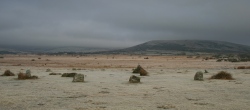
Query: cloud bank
[[121, 23]]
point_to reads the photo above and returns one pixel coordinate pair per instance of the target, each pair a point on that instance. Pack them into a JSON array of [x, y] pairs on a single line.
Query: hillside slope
[[189, 46]]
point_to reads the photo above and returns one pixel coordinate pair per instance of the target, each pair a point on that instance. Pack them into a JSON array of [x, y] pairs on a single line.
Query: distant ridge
[[206, 46], [156, 47]]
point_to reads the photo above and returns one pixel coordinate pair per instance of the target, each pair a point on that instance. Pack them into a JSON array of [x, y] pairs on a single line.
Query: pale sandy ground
[[169, 86]]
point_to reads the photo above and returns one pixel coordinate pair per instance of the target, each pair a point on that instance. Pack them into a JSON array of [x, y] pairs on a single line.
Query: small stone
[[198, 76]]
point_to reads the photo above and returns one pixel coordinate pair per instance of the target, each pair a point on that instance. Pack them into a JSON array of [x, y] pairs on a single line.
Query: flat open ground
[[170, 84]]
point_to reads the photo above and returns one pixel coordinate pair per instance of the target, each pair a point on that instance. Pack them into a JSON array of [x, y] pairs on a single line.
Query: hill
[[170, 46]]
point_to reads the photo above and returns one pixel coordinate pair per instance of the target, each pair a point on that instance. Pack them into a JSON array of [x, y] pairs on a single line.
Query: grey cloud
[[120, 23]]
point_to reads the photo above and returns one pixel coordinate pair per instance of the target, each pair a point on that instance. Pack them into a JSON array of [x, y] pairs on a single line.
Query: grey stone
[[28, 73], [78, 78], [198, 76], [134, 79]]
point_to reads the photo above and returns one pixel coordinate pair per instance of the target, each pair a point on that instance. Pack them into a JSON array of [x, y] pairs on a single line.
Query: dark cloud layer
[[121, 23]]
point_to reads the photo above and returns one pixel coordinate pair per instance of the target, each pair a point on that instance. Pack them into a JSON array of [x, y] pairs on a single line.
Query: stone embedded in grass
[[198, 76], [134, 79], [78, 78]]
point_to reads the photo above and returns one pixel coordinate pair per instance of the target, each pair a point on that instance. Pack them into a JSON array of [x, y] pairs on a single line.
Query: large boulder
[[8, 73], [198, 76], [134, 79], [68, 74], [78, 78]]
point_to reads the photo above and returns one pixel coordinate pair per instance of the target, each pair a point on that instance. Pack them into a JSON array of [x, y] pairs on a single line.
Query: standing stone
[[134, 79], [28, 73], [78, 78], [198, 76]]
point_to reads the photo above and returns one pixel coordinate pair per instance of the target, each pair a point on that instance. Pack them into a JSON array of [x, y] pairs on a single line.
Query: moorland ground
[[170, 83]]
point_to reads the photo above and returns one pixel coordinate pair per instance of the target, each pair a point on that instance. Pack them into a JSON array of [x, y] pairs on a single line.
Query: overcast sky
[[121, 23]]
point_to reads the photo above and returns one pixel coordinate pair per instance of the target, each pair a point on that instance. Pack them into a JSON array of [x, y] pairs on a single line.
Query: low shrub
[[222, 75], [8, 73], [241, 67]]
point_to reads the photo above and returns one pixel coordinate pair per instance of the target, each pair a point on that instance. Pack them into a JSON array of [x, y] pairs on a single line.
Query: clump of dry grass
[[247, 67], [241, 67], [222, 75], [23, 76], [55, 74], [8, 73], [137, 69], [68, 74], [143, 72], [140, 70]]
